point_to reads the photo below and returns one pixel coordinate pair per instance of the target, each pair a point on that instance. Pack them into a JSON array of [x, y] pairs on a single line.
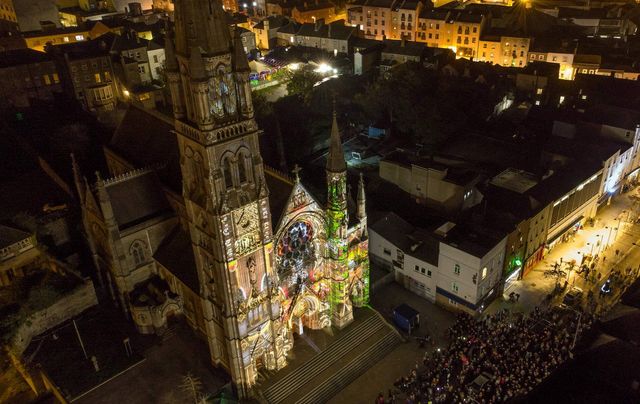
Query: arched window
[[226, 169], [242, 168], [137, 252]]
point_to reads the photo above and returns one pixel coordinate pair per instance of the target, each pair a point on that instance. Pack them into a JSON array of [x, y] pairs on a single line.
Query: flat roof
[[515, 180]]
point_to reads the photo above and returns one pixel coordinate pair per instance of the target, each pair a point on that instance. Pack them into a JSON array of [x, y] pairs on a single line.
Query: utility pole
[[575, 335], [80, 339]]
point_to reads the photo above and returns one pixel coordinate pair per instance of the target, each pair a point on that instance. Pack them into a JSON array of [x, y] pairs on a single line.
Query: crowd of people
[[492, 360]]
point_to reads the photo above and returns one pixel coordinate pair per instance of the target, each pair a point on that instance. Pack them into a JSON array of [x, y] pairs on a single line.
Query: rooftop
[[11, 235], [145, 138], [21, 57], [416, 242], [175, 253], [515, 180], [136, 198]]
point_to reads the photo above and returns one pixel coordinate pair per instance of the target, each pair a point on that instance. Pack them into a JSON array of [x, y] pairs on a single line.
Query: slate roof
[[175, 253], [275, 21], [19, 57], [469, 17], [312, 6], [407, 5], [137, 199], [335, 30], [88, 49], [434, 14], [412, 241], [129, 41], [11, 235], [279, 190], [563, 181], [146, 139], [407, 48]]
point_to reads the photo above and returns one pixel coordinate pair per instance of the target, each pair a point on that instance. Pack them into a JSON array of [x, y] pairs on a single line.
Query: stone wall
[[72, 304]]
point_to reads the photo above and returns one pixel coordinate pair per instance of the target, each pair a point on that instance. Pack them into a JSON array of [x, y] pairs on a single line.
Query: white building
[[454, 267], [444, 188]]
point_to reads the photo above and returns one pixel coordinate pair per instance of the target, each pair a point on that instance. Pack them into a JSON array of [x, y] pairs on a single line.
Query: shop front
[[564, 235], [514, 275]]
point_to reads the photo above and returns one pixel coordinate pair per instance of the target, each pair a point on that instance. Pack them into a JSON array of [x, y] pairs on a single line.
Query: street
[[612, 238]]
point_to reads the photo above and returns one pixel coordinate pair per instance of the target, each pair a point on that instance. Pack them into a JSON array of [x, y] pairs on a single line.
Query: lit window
[[484, 272], [97, 77], [79, 37], [65, 39], [539, 91]]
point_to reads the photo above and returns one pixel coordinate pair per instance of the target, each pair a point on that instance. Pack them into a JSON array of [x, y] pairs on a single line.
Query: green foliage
[[423, 106], [301, 82]]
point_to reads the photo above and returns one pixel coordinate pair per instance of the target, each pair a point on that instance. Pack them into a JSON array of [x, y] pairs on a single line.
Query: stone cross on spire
[[296, 172]]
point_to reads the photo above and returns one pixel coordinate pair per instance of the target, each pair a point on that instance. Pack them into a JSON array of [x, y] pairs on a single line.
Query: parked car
[[573, 297]]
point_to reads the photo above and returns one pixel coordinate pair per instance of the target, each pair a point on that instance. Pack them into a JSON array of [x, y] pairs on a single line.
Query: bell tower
[[225, 193]]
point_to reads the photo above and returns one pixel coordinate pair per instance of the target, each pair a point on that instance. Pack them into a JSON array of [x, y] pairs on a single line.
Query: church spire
[[335, 159], [362, 199], [196, 65], [201, 23], [77, 178], [240, 62], [170, 53]]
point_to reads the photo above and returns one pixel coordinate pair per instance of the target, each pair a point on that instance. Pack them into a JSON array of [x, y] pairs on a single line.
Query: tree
[[302, 82], [192, 386]]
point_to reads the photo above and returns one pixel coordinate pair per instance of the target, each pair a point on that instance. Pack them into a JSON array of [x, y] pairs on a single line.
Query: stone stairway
[[325, 374]]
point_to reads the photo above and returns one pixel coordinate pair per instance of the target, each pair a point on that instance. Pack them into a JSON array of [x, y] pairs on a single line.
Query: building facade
[[87, 73], [27, 75], [456, 30], [246, 269], [443, 267]]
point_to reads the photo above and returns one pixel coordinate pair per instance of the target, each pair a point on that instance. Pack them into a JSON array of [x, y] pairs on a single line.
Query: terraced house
[[456, 30], [385, 19]]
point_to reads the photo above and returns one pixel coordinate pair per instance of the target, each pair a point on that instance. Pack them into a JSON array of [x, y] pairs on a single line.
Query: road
[[534, 288]]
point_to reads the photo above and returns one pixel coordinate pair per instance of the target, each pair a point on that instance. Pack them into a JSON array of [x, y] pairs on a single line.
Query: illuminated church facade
[[257, 276]]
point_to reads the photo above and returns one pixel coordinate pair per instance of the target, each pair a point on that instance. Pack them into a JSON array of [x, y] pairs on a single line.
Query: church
[[190, 222]]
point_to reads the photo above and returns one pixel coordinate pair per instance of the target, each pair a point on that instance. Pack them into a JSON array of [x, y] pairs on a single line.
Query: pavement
[[536, 285], [160, 377], [434, 321]]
